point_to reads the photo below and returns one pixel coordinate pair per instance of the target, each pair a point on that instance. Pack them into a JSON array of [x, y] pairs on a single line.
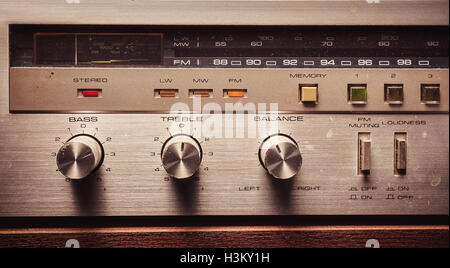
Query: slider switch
[[364, 153], [400, 154]]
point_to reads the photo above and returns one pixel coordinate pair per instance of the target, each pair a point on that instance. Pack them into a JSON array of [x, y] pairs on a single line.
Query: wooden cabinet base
[[436, 236]]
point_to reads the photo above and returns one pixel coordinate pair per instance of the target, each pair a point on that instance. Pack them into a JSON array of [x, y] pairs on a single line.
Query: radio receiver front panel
[[141, 120]]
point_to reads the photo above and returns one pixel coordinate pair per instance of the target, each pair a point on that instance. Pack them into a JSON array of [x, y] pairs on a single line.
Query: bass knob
[[80, 156]]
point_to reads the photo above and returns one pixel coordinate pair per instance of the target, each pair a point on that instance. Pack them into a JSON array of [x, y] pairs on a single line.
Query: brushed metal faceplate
[[234, 183], [231, 180]]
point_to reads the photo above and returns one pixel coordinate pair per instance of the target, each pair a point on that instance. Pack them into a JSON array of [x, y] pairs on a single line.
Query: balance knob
[[280, 156], [181, 156], [80, 156]]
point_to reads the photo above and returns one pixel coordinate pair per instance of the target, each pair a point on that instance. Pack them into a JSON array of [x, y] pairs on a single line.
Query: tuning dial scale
[[181, 156], [80, 156], [280, 156]]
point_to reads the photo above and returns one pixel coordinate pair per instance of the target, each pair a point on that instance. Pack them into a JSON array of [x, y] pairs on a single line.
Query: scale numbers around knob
[[81, 154], [181, 156]]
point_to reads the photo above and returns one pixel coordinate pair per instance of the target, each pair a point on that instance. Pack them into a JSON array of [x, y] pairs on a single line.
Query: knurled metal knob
[[181, 156], [280, 156], [79, 157]]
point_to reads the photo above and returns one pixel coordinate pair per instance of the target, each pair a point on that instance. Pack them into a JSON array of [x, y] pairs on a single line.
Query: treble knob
[[80, 156], [181, 156], [280, 156]]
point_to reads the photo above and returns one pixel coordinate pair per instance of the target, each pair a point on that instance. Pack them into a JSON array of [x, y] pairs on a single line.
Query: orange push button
[[166, 93], [235, 93], [202, 93]]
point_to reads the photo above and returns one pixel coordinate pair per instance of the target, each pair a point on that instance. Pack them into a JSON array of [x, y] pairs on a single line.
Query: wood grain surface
[[428, 236]]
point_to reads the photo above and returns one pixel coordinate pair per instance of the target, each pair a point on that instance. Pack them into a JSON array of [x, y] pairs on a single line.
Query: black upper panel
[[230, 47]]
